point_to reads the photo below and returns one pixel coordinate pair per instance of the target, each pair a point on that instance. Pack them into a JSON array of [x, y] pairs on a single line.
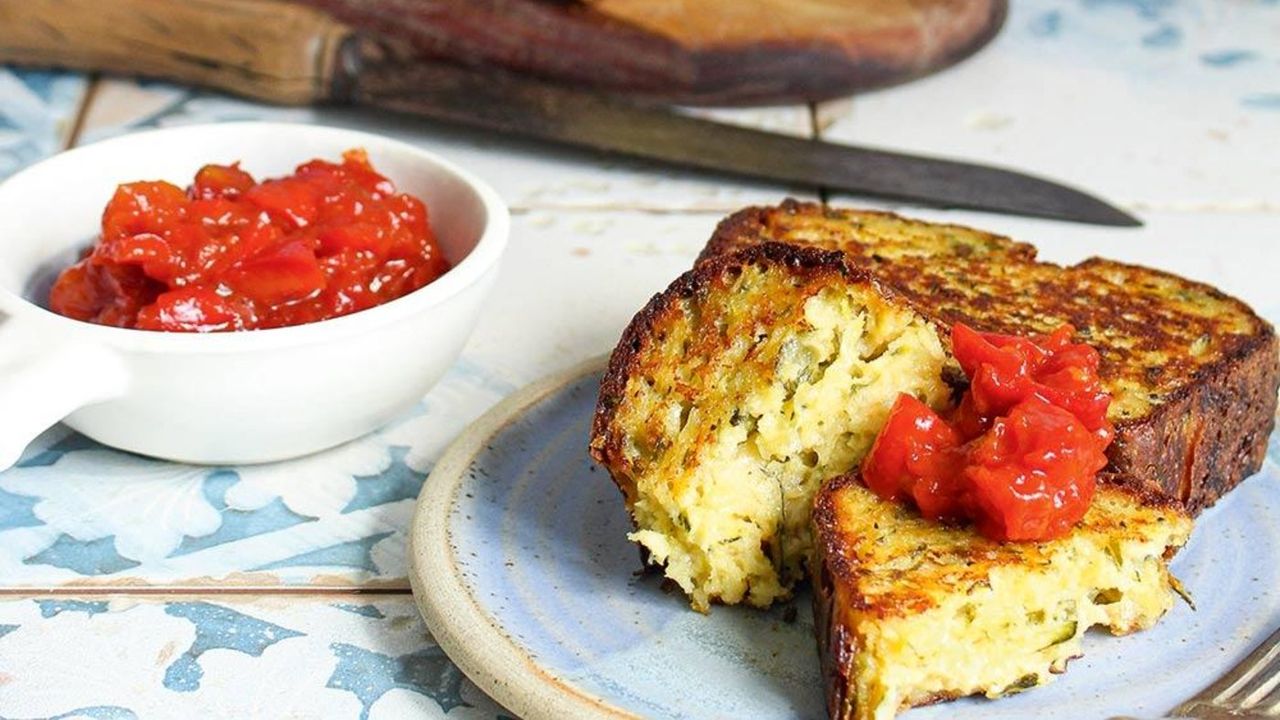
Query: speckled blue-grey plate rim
[[458, 623], [520, 637]]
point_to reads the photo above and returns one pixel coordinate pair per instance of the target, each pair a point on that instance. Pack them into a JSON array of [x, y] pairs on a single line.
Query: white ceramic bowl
[[237, 397]]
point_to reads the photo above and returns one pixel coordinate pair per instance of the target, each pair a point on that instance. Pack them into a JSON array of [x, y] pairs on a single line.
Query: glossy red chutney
[[229, 253], [1019, 456]]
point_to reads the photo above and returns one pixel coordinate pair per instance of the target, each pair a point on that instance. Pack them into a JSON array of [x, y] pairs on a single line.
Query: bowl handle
[[44, 379]]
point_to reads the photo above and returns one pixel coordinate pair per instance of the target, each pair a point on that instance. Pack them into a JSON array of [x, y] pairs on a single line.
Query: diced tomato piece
[[193, 310], [1033, 475], [288, 274], [913, 445], [290, 200], [999, 368], [103, 294], [360, 236], [220, 181], [143, 207], [134, 249]]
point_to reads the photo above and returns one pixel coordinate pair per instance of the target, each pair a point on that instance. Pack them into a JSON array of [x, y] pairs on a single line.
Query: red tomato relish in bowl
[[230, 253], [1021, 453]]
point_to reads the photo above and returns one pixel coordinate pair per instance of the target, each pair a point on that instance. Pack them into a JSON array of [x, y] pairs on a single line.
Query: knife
[[283, 53]]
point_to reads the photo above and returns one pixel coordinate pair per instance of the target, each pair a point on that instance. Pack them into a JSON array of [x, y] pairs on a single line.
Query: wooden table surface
[[134, 588]]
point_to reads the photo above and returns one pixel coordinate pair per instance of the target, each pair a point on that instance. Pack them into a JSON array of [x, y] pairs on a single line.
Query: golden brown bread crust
[[858, 581], [869, 236], [1204, 440], [1193, 372], [606, 437], [833, 546], [837, 644]]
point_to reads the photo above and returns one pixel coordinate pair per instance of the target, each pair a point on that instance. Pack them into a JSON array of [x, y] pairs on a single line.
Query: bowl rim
[[482, 257]]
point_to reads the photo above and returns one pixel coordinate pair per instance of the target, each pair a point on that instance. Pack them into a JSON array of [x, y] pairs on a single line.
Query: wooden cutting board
[[692, 51]]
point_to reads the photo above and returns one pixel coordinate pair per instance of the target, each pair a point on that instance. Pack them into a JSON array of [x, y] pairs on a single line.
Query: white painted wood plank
[[1154, 105]]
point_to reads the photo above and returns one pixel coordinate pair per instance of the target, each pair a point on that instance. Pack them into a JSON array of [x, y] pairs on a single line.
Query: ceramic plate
[[523, 572]]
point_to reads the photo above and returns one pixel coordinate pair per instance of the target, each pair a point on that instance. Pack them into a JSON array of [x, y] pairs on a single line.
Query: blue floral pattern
[[239, 659], [72, 510]]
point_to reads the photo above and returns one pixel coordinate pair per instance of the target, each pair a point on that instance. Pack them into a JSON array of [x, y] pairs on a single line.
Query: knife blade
[[519, 106], [286, 53]]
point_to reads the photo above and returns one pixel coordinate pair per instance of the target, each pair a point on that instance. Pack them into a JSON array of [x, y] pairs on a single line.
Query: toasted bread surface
[[868, 236], [1193, 372], [910, 612], [736, 392]]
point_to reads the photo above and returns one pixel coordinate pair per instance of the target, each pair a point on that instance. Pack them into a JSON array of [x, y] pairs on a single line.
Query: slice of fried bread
[[909, 612], [1193, 372], [736, 392]]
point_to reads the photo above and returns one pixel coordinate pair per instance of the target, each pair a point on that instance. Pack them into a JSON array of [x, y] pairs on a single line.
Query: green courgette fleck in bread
[[735, 393]]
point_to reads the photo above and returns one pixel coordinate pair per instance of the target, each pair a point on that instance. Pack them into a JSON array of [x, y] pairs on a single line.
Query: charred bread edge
[[836, 643], [1230, 403], [1213, 430]]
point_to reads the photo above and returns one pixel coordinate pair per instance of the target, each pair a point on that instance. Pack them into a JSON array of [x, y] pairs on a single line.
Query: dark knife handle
[[264, 49]]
